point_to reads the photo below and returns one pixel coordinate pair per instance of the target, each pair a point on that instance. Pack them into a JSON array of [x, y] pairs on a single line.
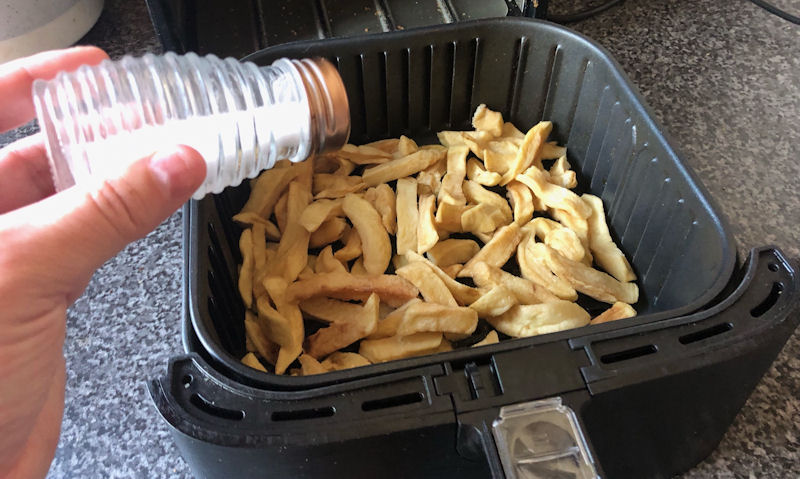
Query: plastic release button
[[542, 439]]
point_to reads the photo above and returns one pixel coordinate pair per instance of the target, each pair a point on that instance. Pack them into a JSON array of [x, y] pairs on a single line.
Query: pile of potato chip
[[391, 221]]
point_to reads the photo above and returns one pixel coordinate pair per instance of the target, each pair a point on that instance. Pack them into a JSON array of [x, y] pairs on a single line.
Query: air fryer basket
[[417, 83], [652, 395]]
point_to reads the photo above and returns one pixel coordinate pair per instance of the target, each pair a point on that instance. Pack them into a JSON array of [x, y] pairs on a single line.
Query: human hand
[[50, 245]]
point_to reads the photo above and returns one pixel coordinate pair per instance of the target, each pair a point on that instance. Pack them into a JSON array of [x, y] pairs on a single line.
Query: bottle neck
[[327, 101]]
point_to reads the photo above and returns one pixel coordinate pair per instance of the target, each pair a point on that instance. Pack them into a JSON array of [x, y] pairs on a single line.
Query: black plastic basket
[[668, 370]]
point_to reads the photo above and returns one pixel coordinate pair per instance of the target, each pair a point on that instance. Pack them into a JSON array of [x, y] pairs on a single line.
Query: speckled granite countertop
[[722, 77]]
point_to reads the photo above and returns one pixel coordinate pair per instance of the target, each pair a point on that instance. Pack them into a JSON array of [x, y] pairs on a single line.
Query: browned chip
[[341, 360], [277, 287], [249, 219], [377, 249], [292, 255], [266, 348], [398, 347], [358, 267], [280, 212], [451, 191], [388, 325], [477, 194], [566, 242], [533, 267], [580, 226], [331, 230], [494, 302], [407, 215], [448, 217], [529, 152], [401, 167], [617, 311], [452, 251], [534, 319], [452, 270], [327, 263], [319, 212], [525, 291], [462, 293], [392, 289], [561, 175], [429, 180], [497, 251], [483, 219], [488, 120], [246, 270], [364, 154], [329, 310], [606, 253], [521, 200], [310, 366], [430, 286], [427, 236], [477, 173], [352, 246], [405, 147], [343, 333], [383, 200], [551, 151], [431, 317], [388, 145], [552, 195], [335, 186], [250, 360], [589, 281], [490, 338], [267, 188]]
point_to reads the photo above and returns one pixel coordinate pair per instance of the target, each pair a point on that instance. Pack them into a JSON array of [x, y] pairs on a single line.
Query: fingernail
[[180, 170]]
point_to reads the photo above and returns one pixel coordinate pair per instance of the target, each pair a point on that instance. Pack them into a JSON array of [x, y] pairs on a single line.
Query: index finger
[[16, 79]]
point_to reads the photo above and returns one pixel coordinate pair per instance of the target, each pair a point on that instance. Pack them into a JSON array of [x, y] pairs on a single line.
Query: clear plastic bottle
[[242, 118]]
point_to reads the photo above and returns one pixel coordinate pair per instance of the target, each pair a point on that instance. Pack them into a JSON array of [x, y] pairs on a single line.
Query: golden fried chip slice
[[344, 333], [497, 251], [532, 265], [399, 347], [452, 251], [606, 253], [617, 311], [589, 281], [491, 338], [352, 246], [310, 366], [407, 215], [534, 319], [392, 289], [377, 249], [430, 317], [430, 286], [450, 191], [525, 291], [246, 270], [250, 360], [342, 360], [401, 167], [427, 235], [494, 302]]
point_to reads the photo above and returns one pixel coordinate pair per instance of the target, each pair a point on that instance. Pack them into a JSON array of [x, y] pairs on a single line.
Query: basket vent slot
[[705, 333], [301, 414], [769, 301], [207, 407], [392, 401], [628, 354]]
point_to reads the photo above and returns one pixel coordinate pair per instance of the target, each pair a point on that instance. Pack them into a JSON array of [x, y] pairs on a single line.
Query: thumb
[[72, 233]]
